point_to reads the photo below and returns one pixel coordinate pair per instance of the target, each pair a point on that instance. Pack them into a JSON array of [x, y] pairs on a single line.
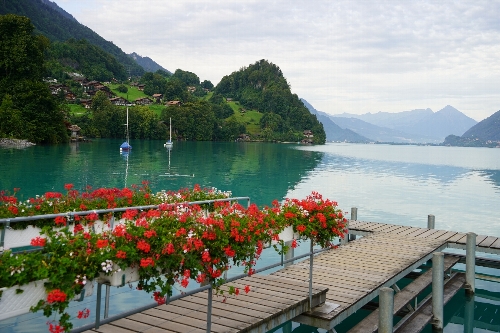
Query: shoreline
[[15, 143]]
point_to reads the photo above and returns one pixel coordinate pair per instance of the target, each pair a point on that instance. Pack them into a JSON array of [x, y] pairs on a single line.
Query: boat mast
[[127, 127]]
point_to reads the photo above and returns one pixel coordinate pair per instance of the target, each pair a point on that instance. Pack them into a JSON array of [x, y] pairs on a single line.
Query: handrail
[[71, 215], [113, 210]]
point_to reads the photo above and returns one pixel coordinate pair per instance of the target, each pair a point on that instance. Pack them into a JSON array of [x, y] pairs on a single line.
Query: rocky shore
[[15, 143]]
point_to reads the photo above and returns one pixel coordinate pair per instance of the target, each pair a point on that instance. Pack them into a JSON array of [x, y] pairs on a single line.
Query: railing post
[[437, 290], [386, 310], [431, 221], [106, 301], [98, 306], [289, 254], [470, 264], [209, 310], [311, 257], [354, 217], [2, 234]]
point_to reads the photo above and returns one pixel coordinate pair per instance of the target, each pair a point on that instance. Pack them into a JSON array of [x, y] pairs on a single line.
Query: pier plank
[[488, 241], [480, 238], [496, 244]]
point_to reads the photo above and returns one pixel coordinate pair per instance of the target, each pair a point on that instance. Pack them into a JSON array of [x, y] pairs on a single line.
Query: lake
[[387, 183]]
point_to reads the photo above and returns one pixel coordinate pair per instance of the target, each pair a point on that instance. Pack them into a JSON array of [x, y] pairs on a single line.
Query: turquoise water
[[393, 184]]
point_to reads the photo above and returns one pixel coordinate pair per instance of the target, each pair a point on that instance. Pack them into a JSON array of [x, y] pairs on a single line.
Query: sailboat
[[126, 145], [169, 143]]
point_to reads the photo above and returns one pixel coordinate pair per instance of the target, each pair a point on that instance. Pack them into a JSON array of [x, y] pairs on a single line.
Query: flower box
[[119, 277], [17, 238], [87, 291], [14, 304]]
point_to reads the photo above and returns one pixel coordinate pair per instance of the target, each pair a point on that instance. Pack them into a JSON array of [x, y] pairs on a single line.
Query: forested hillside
[[262, 87], [82, 57], [54, 23]]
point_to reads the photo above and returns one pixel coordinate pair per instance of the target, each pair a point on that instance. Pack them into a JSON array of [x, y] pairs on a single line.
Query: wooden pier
[[344, 280]]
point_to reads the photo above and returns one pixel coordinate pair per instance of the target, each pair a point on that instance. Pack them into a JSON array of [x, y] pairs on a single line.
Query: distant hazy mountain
[[487, 129], [147, 63], [424, 123], [333, 131], [381, 134]]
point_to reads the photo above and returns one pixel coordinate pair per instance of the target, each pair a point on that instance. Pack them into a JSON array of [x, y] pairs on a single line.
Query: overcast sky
[[341, 56]]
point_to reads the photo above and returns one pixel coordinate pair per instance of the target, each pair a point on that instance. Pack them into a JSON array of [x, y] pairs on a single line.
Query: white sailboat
[[126, 145], [169, 143]]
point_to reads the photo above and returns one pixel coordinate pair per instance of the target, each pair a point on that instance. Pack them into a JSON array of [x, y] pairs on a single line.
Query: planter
[[119, 277], [13, 304], [18, 238], [87, 291]]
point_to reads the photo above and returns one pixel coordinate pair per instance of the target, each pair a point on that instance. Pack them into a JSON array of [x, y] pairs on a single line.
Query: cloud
[[341, 56]]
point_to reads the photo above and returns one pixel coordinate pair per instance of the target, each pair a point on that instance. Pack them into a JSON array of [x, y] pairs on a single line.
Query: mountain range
[[420, 125], [416, 126]]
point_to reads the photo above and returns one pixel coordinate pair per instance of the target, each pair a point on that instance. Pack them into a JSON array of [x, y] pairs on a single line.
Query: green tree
[[189, 79], [21, 53], [122, 88], [21, 71], [10, 119], [207, 85]]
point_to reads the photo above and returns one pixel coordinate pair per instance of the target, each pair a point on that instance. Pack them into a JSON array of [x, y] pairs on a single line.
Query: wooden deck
[[487, 244], [355, 272], [270, 303]]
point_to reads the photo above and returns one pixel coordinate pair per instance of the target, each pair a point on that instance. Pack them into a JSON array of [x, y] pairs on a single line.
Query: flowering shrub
[[176, 243], [101, 198], [315, 218]]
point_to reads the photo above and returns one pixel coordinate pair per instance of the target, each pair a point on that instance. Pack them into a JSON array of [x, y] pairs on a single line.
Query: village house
[[140, 87], [143, 101], [157, 97], [191, 89], [69, 96], [86, 103], [119, 101], [174, 103]]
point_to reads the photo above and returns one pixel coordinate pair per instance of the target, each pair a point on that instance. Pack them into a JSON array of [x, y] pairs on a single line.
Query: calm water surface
[[394, 184]]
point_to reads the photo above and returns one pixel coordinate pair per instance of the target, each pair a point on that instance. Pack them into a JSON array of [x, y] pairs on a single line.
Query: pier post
[[469, 314], [431, 221], [354, 217], [437, 290], [470, 263], [386, 310]]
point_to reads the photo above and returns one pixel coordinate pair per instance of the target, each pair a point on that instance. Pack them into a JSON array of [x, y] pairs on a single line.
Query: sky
[[341, 56]]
